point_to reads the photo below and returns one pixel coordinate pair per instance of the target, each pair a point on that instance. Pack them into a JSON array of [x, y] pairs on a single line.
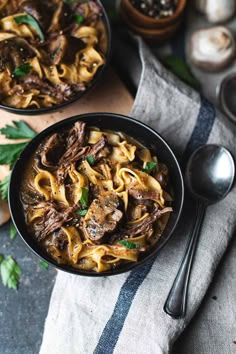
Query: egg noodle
[[98, 202], [30, 76]]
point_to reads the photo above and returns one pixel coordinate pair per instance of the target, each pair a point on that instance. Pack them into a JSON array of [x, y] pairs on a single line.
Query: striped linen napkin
[[124, 314]]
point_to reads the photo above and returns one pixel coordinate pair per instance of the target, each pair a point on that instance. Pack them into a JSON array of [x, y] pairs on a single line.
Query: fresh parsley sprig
[[181, 69], [19, 130], [13, 231], [84, 198], [10, 272], [82, 212], [30, 20], [22, 70], [10, 152], [90, 160], [149, 166], [4, 187], [129, 245], [77, 18]]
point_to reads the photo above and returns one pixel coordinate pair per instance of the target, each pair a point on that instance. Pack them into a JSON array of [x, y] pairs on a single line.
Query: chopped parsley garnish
[[30, 20], [22, 70], [149, 166], [84, 198], [129, 245], [90, 160], [82, 212], [77, 18], [13, 231], [10, 272]]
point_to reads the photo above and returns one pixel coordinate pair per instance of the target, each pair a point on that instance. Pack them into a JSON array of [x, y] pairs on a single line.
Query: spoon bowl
[[210, 173], [209, 177]]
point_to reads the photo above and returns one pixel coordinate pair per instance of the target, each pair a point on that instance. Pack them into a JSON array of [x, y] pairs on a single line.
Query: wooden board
[[110, 95]]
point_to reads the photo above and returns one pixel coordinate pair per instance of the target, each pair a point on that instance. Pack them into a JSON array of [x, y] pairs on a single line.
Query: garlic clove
[[212, 49], [4, 212]]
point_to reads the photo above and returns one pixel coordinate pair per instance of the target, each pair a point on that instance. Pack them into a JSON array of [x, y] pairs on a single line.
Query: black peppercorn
[[155, 8]]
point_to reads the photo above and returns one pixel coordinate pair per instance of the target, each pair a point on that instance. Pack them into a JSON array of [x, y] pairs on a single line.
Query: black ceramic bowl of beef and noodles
[[51, 52], [96, 194]]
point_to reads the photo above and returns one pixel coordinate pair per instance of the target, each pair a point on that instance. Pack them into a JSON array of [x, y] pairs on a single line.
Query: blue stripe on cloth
[[113, 328], [202, 129], [111, 332]]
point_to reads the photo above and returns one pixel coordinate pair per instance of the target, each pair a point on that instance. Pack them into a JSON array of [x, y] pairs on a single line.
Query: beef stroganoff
[[95, 199], [50, 51]]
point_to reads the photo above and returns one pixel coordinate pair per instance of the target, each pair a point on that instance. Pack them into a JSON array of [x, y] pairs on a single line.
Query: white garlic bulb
[[212, 49]]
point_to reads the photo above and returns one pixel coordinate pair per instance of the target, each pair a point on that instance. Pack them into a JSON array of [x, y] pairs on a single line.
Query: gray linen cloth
[[124, 314]]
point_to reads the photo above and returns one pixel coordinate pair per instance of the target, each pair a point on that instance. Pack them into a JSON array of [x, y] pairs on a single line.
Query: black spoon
[[209, 177]]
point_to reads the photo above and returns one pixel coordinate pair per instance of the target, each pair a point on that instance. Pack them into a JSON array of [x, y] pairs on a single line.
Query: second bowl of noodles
[[51, 52]]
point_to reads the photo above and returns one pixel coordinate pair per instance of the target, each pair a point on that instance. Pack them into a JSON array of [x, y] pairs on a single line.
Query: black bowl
[[138, 130], [94, 81]]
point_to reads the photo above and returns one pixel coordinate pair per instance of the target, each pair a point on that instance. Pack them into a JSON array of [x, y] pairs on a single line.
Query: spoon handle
[[175, 305]]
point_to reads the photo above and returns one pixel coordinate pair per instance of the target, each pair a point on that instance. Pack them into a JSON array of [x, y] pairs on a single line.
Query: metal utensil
[[226, 95], [209, 176]]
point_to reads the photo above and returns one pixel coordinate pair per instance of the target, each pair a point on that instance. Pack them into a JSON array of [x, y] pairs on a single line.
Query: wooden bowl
[[156, 35], [138, 19]]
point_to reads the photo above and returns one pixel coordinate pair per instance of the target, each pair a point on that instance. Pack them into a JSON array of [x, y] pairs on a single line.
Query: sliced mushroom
[[13, 51], [61, 18], [102, 217], [58, 49], [212, 49]]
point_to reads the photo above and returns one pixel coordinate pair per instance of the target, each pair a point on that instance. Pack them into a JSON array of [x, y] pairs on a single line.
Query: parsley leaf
[[10, 272], [13, 231], [4, 185], [10, 152], [82, 212], [84, 198], [149, 166], [22, 70], [30, 20], [129, 245], [1, 258], [77, 18], [90, 160], [43, 264], [19, 130], [181, 69]]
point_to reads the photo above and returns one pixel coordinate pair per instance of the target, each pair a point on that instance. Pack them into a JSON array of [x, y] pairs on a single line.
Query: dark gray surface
[[22, 312]]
